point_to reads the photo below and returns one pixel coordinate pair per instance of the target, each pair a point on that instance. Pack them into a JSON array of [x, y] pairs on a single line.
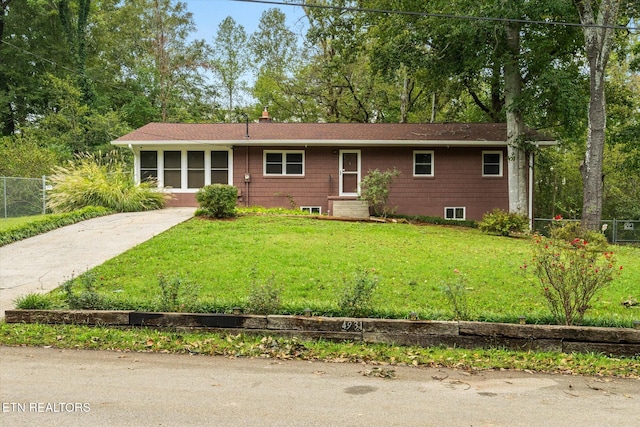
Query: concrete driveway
[[44, 262]]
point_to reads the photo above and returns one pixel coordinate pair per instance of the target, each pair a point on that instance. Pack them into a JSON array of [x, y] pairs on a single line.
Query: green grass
[[14, 229], [230, 345], [9, 223], [311, 260]]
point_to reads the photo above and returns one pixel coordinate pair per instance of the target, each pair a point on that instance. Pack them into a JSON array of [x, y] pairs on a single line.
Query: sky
[[207, 15]]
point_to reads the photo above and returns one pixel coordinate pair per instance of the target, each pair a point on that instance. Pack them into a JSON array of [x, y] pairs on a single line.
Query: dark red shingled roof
[[319, 131]]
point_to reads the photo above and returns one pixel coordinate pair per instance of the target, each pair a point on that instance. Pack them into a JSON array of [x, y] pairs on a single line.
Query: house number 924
[[352, 326]]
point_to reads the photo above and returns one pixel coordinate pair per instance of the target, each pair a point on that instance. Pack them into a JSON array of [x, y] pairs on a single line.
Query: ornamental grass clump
[[93, 180], [570, 274]]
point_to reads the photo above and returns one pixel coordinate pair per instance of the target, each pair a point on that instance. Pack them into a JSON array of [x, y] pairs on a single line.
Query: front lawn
[[14, 229], [311, 260]]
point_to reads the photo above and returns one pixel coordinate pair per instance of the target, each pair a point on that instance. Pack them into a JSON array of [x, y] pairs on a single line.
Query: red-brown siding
[[457, 180]]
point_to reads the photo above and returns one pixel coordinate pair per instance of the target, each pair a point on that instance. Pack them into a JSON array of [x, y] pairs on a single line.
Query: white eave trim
[[326, 142]]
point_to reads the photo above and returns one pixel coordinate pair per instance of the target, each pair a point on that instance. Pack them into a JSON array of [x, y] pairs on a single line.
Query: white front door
[[349, 172]]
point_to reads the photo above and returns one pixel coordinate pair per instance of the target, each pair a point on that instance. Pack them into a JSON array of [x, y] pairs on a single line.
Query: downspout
[[530, 207], [247, 177]]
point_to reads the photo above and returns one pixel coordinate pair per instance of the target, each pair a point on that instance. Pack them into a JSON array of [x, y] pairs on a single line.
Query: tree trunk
[[517, 162], [7, 121], [598, 41]]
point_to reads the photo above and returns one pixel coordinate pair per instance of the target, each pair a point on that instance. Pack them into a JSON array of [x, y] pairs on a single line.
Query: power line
[[301, 3]]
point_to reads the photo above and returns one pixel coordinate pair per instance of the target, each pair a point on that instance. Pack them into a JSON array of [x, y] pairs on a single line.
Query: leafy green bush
[[375, 187], [48, 223], [569, 231], [357, 296], [503, 223], [217, 201], [91, 180], [34, 301]]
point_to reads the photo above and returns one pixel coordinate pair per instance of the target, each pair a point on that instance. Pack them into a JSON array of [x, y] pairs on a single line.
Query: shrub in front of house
[[93, 180], [217, 201], [503, 223]]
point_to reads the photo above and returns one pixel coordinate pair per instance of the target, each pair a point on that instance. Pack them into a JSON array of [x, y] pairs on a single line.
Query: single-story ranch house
[[455, 171]]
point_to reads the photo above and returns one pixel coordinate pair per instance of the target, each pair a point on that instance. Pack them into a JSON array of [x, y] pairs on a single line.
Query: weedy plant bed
[[303, 263]]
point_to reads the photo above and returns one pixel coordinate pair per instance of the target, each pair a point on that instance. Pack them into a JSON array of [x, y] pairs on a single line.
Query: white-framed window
[[149, 166], [195, 169], [219, 167], [423, 163], [185, 170], [284, 163], [316, 210], [173, 169], [492, 163], [455, 213]]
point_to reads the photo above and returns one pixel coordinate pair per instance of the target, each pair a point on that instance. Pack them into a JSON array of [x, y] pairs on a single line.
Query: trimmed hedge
[[50, 222], [217, 201]]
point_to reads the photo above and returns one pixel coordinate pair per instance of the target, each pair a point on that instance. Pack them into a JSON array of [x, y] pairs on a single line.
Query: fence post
[[44, 194], [4, 190]]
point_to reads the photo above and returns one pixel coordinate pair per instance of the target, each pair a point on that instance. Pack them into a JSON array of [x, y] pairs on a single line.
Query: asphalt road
[[100, 388]]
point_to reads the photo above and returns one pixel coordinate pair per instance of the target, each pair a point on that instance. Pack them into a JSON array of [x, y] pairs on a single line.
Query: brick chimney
[[265, 118]]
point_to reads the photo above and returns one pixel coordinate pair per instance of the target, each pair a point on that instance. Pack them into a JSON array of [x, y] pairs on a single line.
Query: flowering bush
[[570, 273]]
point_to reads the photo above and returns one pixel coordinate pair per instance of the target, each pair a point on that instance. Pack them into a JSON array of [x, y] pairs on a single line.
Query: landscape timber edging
[[567, 339]]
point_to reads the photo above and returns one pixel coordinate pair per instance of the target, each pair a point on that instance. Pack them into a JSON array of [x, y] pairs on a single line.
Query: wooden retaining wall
[[567, 339]]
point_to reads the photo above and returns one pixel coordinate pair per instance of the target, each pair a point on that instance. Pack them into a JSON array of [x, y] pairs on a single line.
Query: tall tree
[[276, 56], [597, 18], [76, 30], [230, 59]]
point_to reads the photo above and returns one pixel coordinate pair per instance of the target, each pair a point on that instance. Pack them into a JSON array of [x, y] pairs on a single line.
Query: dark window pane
[[350, 162], [219, 177], [149, 175], [294, 157], [195, 178], [274, 157], [219, 159], [449, 213], [459, 213], [149, 159], [172, 159], [423, 169], [172, 178], [492, 169], [274, 168], [350, 183], [195, 159], [492, 158], [294, 169], [423, 158]]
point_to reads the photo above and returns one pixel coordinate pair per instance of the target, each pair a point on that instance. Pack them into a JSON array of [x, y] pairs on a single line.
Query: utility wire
[[301, 3]]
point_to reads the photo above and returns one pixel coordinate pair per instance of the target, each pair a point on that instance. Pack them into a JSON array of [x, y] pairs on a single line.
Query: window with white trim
[[195, 169], [173, 169], [312, 209], [284, 163], [219, 167], [423, 163], [492, 163], [149, 166], [457, 213]]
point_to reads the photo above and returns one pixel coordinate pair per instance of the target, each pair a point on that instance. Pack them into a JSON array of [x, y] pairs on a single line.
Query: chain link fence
[[622, 231], [22, 196]]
